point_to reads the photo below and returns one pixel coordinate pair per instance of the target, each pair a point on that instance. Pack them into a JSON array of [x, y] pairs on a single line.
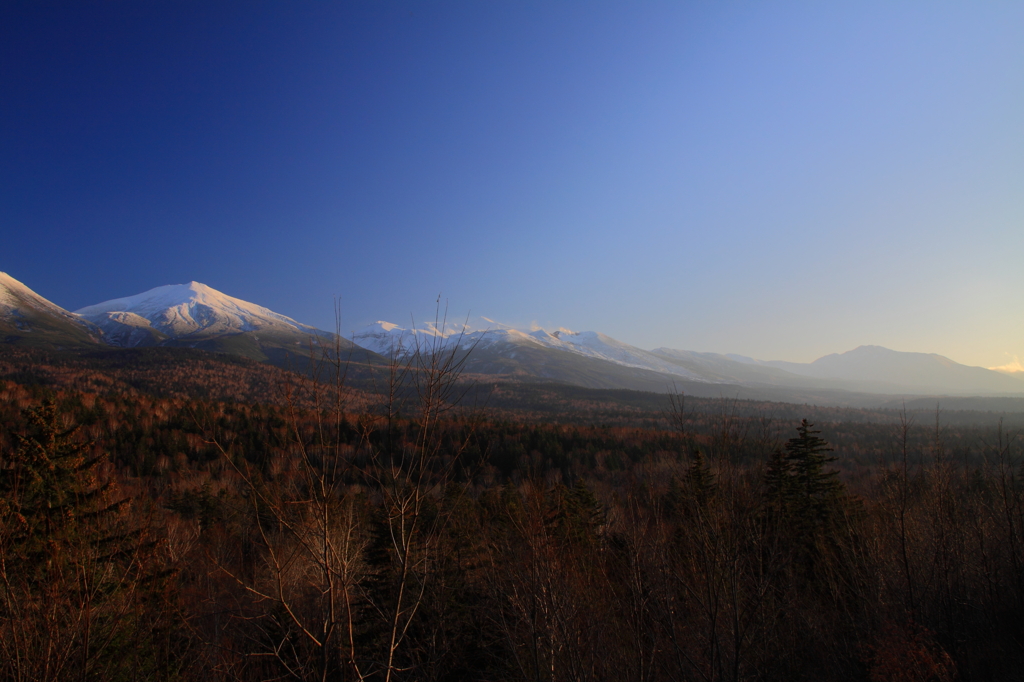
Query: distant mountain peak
[[178, 310], [390, 339], [881, 352], [382, 326]]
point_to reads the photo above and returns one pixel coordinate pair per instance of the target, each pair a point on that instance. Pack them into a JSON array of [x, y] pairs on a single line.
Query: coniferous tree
[[797, 484], [581, 516], [813, 490], [700, 479], [804, 499]]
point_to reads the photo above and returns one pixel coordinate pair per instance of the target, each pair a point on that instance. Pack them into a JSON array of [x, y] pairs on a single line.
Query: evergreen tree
[[813, 490], [804, 499], [700, 479], [580, 516]]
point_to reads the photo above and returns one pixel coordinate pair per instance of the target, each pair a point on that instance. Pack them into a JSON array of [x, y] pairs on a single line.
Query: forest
[[168, 519]]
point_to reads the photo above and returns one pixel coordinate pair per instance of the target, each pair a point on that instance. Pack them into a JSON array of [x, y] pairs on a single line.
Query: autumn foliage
[[403, 534]]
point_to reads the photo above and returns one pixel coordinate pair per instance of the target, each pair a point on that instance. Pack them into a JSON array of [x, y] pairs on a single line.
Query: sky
[[781, 180]]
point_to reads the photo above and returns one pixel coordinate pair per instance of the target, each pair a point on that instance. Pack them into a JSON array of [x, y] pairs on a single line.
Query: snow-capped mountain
[[387, 338], [27, 317], [179, 310], [199, 316], [597, 345], [16, 299]]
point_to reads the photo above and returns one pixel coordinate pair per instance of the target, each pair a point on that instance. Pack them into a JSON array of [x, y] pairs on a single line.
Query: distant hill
[[876, 369]]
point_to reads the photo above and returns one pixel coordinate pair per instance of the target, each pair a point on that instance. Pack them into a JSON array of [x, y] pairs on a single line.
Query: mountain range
[[196, 316]]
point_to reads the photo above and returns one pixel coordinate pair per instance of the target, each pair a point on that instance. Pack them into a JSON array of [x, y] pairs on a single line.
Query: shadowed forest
[[238, 522]]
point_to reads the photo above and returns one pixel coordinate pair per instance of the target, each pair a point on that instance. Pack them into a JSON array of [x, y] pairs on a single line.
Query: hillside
[[28, 319]]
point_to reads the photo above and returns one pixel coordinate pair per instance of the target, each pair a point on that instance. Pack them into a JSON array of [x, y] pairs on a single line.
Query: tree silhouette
[[814, 491]]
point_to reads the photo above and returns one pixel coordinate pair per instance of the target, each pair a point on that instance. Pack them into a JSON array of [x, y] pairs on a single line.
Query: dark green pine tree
[[700, 480], [804, 499], [580, 516], [813, 491]]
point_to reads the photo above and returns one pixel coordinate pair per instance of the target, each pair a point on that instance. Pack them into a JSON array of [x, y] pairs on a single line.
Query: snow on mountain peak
[[14, 294], [390, 339], [184, 309], [15, 297], [387, 338], [27, 311]]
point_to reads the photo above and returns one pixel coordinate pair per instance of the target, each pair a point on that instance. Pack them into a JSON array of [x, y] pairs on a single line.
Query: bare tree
[[319, 601], [411, 474]]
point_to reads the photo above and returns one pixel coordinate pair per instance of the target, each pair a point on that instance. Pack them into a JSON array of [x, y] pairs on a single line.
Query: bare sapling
[[413, 461]]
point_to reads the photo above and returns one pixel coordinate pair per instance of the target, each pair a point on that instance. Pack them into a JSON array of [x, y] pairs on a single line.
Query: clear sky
[[781, 180]]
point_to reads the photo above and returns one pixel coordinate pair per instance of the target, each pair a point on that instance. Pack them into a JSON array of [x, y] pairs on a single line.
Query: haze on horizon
[[781, 180]]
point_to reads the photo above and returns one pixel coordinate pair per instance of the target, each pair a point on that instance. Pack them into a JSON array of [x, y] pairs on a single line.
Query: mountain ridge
[[197, 316], [29, 319], [502, 349]]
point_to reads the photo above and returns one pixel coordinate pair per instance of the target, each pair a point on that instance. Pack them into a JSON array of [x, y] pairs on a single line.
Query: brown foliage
[[909, 653]]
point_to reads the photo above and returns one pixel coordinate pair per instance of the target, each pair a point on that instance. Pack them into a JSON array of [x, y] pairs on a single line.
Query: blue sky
[[781, 180]]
